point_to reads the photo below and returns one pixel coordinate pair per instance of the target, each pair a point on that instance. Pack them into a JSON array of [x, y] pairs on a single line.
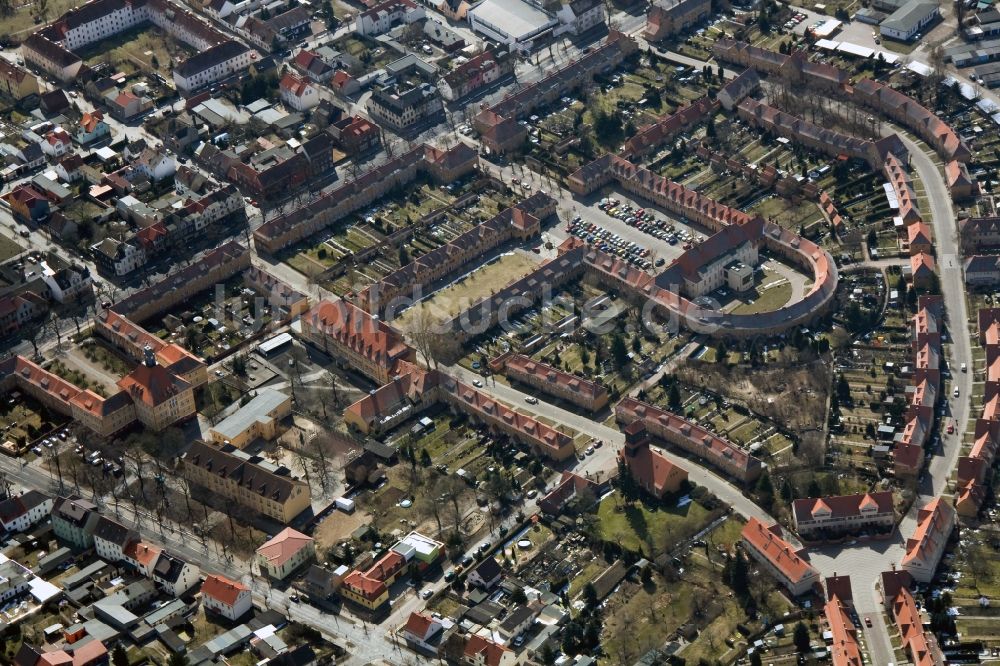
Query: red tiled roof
[[769, 544], [492, 653], [844, 649], [222, 589], [842, 506], [282, 546]]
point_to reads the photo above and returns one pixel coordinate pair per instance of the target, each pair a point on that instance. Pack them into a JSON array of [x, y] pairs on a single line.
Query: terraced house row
[[713, 450], [519, 222], [925, 341], [828, 79], [443, 166], [975, 469]]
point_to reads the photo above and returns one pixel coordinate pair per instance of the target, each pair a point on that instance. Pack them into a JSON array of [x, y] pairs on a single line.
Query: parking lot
[[663, 235]]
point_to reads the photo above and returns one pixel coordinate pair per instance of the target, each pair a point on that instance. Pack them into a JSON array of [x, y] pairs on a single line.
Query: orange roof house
[[922, 269], [920, 238], [845, 650], [284, 552], [364, 342], [935, 523], [843, 514], [921, 646], [229, 598], [777, 556]]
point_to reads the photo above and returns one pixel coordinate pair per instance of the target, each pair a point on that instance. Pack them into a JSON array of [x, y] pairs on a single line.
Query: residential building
[[405, 109], [356, 339], [50, 56], [834, 516], [246, 480], [442, 166], [92, 128], [161, 398], [480, 651], [260, 418], [111, 538], [982, 270], [16, 82], [395, 291], [571, 488], [20, 512], [57, 142], [285, 552], [961, 185], [778, 558], [73, 521], [979, 233], [922, 270], [297, 93], [542, 439], [174, 575], [935, 523], [578, 16], [406, 394], [384, 16], [478, 72], [920, 645], [422, 631], [738, 89], [369, 593], [690, 437], [27, 204], [213, 64], [310, 64], [356, 135], [844, 643], [225, 597], [548, 379], [671, 17], [485, 575], [67, 283], [115, 257]]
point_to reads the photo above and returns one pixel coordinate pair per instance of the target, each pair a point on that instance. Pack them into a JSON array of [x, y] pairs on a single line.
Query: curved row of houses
[[828, 79], [673, 290], [974, 469]]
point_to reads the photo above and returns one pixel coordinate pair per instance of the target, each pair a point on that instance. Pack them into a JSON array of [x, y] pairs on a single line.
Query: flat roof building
[[515, 23], [259, 418]]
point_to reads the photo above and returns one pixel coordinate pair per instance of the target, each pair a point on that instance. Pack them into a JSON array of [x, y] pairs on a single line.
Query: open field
[[647, 527], [9, 248]]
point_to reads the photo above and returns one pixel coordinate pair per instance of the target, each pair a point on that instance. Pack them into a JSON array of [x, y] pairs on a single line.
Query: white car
[[531, 400], [955, 392], [477, 383]]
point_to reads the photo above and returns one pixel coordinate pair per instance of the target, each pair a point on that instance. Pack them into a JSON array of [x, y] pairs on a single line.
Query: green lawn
[[638, 526]]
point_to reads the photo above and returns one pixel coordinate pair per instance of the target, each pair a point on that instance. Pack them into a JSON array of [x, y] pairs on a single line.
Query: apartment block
[[834, 516], [551, 380], [247, 480], [935, 523], [778, 558], [356, 339], [703, 444]]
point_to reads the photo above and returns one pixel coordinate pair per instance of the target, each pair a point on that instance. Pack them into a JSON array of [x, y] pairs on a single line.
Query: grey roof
[[266, 400], [907, 17], [517, 617], [517, 19], [115, 532]]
